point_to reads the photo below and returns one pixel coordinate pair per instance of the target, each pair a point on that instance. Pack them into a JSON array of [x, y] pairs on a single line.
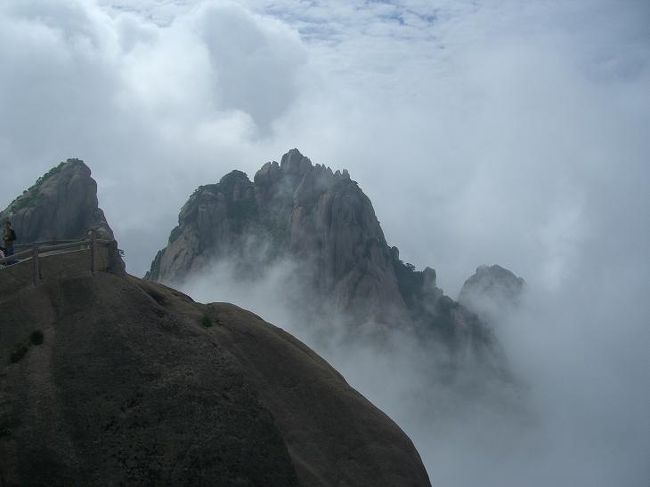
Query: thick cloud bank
[[484, 132]]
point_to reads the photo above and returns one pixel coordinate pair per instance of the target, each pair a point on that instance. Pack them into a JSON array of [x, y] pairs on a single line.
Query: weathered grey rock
[[61, 205], [492, 292], [293, 208], [322, 220], [136, 384]]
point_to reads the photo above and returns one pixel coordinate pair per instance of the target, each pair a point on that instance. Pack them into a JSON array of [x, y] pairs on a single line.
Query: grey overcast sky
[[484, 131]]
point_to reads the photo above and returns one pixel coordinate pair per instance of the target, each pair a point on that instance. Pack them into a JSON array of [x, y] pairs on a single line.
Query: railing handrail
[[51, 246], [44, 243]]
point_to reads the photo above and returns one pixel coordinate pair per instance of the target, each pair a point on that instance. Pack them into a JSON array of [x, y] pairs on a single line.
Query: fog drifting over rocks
[[511, 133], [576, 414]]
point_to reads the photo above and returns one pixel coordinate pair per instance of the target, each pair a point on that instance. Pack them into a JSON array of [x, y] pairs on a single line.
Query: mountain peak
[[234, 183], [234, 176], [495, 275], [61, 205], [294, 167], [293, 162], [491, 291], [321, 220], [75, 163]]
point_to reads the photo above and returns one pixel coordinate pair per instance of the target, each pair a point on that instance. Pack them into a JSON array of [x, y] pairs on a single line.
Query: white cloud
[[152, 107]]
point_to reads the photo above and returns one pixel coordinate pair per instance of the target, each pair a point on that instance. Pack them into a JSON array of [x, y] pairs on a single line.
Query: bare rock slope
[[61, 205], [110, 380]]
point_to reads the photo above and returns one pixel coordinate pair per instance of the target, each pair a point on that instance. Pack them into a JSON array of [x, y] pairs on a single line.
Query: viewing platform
[[41, 261]]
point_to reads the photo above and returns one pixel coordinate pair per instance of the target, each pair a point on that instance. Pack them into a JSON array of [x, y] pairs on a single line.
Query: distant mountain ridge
[[323, 220]]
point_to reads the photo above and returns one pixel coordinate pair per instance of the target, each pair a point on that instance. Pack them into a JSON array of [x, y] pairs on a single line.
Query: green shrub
[[30, 196], [206, 322], [176, 232], [36, 337]]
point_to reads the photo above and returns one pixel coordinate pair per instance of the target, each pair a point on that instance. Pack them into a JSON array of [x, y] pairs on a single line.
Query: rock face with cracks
[[110, 380]]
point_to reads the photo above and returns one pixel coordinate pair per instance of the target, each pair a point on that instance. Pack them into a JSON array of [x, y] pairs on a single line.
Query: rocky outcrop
[[109, 380], [61, 205], [322, 220], [491, 292]]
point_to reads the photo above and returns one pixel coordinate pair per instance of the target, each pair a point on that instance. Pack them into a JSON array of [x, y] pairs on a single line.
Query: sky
[[484, 132]]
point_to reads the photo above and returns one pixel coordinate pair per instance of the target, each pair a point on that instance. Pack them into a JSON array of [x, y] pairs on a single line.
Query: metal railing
[[35, 251]]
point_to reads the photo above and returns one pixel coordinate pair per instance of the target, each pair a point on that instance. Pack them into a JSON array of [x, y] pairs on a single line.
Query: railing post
[[36, 276], [93, 244]]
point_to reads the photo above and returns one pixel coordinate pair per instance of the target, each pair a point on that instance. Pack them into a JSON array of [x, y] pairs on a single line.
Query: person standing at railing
[[9, 238]]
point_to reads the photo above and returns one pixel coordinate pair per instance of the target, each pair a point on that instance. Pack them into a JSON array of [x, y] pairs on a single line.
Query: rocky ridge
[[322, 220]]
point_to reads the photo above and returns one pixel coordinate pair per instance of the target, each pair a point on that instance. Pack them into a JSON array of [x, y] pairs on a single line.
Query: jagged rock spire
[[322, 220], [61, 205]]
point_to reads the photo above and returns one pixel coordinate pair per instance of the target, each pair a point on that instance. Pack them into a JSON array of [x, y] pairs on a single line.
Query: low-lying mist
[[574, 415]]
